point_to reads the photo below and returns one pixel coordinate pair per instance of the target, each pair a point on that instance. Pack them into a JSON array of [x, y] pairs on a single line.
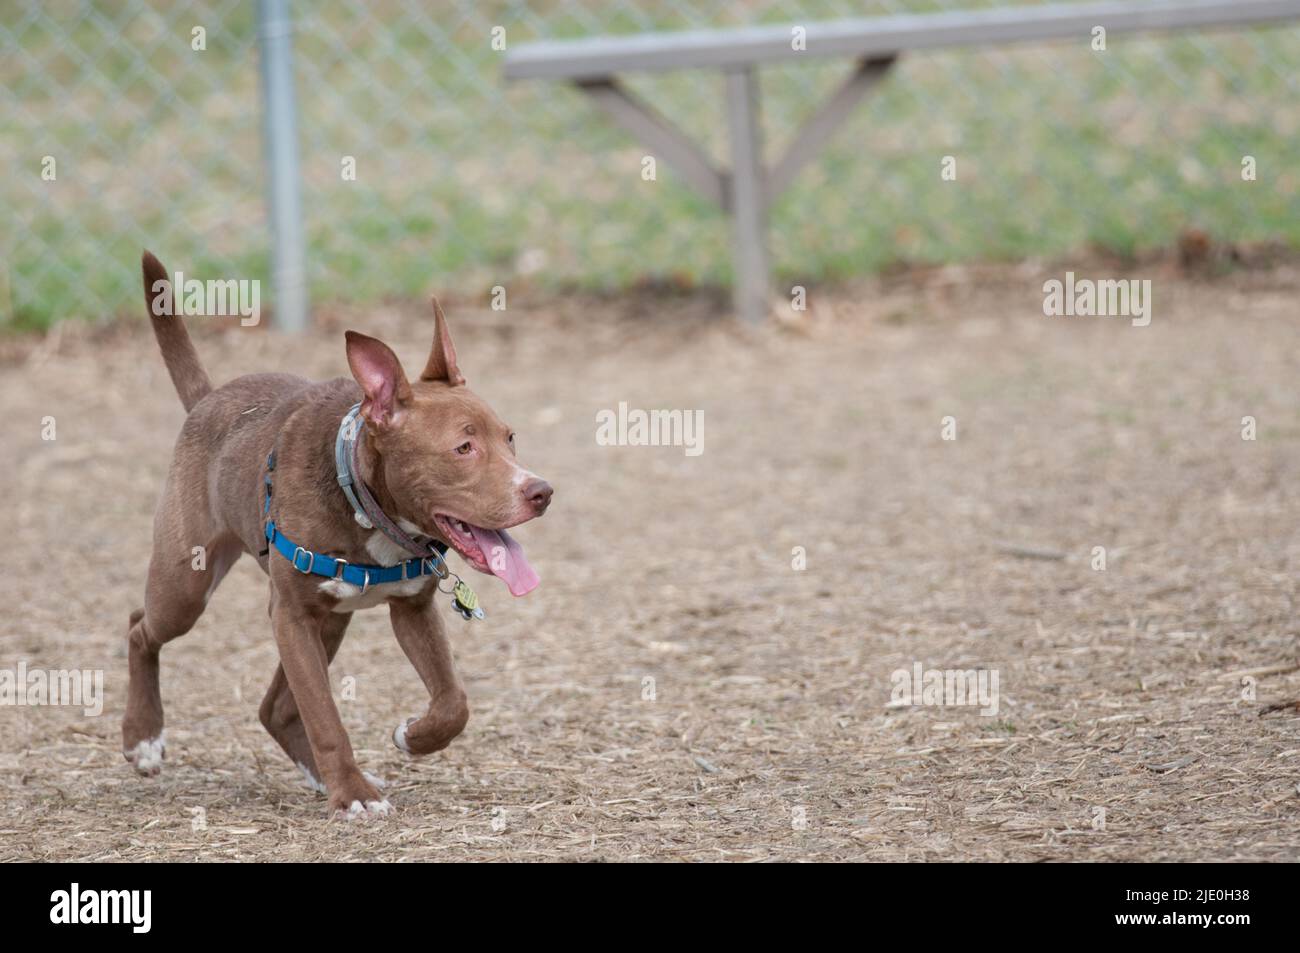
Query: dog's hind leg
[[279, 712], [184, 570]]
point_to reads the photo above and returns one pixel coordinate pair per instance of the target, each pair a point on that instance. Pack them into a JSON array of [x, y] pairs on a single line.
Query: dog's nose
[[538, 494]]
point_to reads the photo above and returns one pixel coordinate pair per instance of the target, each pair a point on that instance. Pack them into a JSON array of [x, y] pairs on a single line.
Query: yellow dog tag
[[465, 601], [466, 596]]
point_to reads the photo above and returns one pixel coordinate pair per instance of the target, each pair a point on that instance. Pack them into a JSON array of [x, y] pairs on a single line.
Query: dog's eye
[[512, 440], [464, 448]]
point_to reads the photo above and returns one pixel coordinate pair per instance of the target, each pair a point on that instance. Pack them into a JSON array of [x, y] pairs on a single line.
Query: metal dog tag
[[465, 601]]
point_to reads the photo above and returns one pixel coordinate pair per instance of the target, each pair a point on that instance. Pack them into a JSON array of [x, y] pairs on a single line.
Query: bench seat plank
[[870, 37]]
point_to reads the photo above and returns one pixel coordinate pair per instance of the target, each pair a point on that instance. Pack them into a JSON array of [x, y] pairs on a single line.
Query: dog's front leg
[[305, 661], [422, 637]]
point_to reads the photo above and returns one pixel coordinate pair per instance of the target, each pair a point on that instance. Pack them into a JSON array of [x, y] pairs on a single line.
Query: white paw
[[358, 812], [399, 735], [373, 779], [147, 756], [312, 781]]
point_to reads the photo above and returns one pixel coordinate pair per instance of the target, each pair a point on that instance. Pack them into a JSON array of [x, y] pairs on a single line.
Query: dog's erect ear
[[380, 375], [442, 359]]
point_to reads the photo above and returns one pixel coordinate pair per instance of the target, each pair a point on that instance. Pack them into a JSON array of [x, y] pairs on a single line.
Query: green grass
[[1058, 148]]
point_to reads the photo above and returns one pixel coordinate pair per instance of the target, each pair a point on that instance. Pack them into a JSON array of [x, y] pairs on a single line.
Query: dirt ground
[[1131, 722]]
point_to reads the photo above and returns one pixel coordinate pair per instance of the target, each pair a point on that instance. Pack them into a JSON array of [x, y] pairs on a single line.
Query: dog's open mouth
[[492, 551]]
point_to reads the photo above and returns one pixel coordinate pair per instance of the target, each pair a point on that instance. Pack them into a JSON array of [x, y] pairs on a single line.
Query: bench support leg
[[823, 124], [749, 189], [660, 135], [748, 215]]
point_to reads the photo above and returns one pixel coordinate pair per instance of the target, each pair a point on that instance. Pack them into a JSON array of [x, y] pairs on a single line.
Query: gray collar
[[365, 508]]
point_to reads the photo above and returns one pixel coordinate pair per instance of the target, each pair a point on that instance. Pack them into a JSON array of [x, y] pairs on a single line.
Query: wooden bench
[[748, 188]]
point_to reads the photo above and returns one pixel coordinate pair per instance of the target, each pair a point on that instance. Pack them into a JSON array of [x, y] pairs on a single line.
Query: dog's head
[[445, 458]]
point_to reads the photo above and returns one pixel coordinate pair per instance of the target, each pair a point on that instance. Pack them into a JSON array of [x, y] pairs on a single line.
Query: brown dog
[[255, 472]]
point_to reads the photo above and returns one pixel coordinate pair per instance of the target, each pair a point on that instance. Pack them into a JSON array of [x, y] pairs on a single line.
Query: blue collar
[[356, 574], [318, 564]]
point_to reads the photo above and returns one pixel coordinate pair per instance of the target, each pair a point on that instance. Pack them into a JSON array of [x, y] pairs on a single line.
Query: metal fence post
[[284, 202], [747, 199]]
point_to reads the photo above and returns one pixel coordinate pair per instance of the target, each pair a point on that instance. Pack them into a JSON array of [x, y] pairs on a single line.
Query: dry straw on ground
[[1126, 730]]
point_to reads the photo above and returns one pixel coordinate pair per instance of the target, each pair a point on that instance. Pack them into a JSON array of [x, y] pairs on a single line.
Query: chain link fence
[[130, 124]]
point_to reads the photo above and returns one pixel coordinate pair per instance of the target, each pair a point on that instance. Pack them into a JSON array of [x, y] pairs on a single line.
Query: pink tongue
[[506, 559]]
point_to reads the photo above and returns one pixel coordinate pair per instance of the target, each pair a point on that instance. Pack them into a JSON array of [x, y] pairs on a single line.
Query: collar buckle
[[311, 562]]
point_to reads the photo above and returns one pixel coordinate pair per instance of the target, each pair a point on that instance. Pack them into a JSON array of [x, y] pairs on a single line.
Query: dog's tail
[[183, 364]]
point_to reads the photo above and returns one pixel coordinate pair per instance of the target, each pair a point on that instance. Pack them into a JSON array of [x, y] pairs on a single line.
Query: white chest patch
[[384, 552]]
